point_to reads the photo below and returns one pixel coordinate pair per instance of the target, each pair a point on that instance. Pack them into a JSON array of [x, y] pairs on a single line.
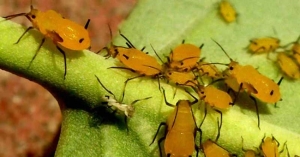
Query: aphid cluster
[[289, 59], [184, 68], [288, 56]]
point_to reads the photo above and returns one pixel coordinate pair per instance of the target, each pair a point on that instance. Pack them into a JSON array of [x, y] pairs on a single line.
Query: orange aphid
[[184, 57], [211, 149], [181, 130], [239, 78], [210, 70], [61, 31], [270, 147], [215, 98], [288, 65], [181, 78]]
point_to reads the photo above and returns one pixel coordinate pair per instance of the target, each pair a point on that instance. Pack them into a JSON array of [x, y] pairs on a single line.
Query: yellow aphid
[[288, 65], [261, 45], [227, 11]]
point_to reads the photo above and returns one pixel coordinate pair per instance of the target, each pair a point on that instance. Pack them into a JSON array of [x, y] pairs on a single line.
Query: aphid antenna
[[128, 41], [151, 67], [219, 124], [156, 53], [216, 63], [14, 15], [105, 87], [222, 50]]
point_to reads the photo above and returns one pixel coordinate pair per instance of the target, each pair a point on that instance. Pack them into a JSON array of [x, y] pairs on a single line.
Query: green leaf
[[164, 24]]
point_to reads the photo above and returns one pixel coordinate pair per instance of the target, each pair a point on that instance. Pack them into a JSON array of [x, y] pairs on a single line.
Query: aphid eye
[[202, 92], [272, 92], [81, 40], [231, 68], [33, 16]]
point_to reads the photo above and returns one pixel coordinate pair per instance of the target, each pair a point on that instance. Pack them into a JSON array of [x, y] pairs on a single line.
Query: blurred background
[[29, 116]]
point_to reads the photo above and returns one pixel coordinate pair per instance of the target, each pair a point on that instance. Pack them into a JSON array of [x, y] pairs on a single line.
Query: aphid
[[61, 31], [211, 149], [269, 147], [296, 49], [288, 65], [227, 11], [215, 98], [139, 62], [184, 57], [120, 106], [181, 130], [261, 45], [181, 78], [210, 70], [239, 77]]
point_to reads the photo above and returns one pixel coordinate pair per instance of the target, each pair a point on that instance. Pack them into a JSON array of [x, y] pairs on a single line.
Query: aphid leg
[[125, 84], [158, 83], [29, 28], [237, 95], [161, 139], [65, 60], [174, 92], [195, 99], [198, 147], [257, 112], [287, 150], [201, 80], [169, 104], [135, 101], [37, 51], [107, 50], [205, 113], [274, 139], [105, 87], [219, 125]]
